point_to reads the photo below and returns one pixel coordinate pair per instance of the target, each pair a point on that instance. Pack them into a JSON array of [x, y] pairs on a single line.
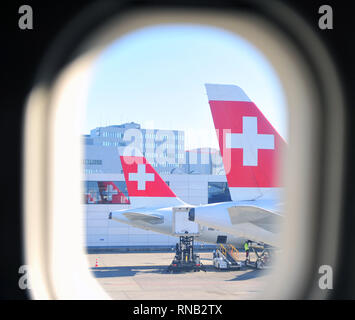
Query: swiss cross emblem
[[250, 141], [109, 192], [141, 176]]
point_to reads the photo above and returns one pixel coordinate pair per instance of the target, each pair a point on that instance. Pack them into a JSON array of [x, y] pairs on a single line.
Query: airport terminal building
[[196, 176]]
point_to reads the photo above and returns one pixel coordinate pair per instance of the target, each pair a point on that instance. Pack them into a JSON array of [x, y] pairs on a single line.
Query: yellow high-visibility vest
[[246, 247]]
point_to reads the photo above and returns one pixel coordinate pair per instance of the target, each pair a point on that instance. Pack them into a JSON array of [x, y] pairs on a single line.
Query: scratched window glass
[[184, 129]]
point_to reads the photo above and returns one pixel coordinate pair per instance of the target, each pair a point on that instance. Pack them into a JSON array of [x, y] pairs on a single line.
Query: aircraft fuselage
[[207, 234]]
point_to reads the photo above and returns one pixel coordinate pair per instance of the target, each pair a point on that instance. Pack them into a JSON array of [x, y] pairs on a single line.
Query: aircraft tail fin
[[144, 184], [249, 144]]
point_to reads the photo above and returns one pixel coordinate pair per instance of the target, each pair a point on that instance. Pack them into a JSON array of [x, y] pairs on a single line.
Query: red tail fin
[[142, 180], [144, 184], [249, 144]]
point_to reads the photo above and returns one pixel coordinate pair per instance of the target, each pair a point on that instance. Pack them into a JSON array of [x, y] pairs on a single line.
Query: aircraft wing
[[257, 223], [260, 217], [138, 215]]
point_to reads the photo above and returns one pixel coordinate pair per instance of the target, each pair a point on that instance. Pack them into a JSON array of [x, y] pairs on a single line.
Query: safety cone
[[97, 264]]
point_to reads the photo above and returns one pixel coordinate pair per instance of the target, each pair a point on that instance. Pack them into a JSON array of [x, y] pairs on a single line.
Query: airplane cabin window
[[178, 146], [208, 105]]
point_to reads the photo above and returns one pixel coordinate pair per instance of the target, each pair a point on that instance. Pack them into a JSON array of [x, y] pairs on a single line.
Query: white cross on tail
[[141, 177], [250, 141], [109, 192]]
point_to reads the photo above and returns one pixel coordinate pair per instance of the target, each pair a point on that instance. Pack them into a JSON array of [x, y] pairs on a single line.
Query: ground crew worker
[[246, 249]]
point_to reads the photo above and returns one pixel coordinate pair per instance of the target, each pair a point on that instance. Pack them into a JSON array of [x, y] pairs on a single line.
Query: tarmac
[[144, 276]]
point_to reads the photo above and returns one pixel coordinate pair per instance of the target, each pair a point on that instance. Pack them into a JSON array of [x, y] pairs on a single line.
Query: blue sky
[[155, 76]]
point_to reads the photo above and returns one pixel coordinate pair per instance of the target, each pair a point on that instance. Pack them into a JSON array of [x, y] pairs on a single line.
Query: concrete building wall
[[102, 232]]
